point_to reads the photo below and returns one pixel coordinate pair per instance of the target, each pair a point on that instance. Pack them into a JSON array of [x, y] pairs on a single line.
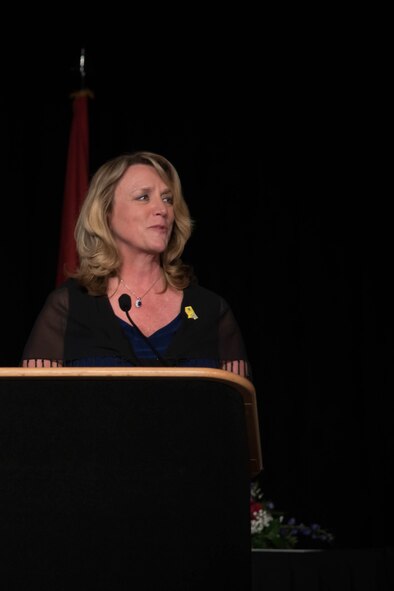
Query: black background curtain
[[275, 170]]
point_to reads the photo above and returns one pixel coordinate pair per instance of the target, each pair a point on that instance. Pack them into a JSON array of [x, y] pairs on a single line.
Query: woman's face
[[142, 213]]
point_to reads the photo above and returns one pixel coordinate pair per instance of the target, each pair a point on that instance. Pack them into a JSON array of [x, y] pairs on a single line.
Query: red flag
[[76, 183]]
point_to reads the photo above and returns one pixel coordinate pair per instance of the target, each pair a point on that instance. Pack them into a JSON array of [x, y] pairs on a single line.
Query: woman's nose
[[159, 208]]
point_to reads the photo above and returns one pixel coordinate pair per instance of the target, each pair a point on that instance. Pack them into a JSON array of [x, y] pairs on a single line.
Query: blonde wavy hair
[[98, 254]]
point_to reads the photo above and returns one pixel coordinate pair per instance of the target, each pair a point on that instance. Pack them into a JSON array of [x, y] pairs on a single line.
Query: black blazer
[[73, 325]]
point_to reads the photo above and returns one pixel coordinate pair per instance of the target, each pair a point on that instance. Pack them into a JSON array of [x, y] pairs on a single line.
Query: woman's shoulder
[[58, 294], [67, 291], [197, 292], [72, 287], [70, 284]]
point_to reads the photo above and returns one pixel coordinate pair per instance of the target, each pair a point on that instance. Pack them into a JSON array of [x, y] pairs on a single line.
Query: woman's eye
[[168, 199], [142, 197]]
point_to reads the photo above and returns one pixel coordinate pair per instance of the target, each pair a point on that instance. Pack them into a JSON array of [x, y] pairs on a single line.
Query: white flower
[[261, 519]]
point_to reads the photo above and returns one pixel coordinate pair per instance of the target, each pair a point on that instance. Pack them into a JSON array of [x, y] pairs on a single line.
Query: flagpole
[[77, 175]]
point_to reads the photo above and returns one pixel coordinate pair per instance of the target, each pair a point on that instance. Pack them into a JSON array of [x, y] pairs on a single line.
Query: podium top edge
[[220, 375]]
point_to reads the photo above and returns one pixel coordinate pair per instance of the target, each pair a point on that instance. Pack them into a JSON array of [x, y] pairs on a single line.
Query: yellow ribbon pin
[[190, 313]]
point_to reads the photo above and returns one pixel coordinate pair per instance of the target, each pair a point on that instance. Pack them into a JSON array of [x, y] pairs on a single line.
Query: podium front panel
[[123, 482]]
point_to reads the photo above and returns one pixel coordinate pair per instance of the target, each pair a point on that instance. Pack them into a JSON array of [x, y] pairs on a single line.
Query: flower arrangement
[[269, 529]]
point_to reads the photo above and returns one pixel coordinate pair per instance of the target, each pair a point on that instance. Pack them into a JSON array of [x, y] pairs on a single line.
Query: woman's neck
[[140, 274]]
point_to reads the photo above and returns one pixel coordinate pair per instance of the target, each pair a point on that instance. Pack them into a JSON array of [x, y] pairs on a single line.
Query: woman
[[130, 235]]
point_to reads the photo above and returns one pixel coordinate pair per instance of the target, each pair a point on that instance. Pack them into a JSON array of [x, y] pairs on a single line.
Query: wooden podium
[[114, 478]]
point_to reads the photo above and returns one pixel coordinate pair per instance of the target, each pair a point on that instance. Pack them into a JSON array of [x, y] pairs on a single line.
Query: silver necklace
[[138, 301]]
